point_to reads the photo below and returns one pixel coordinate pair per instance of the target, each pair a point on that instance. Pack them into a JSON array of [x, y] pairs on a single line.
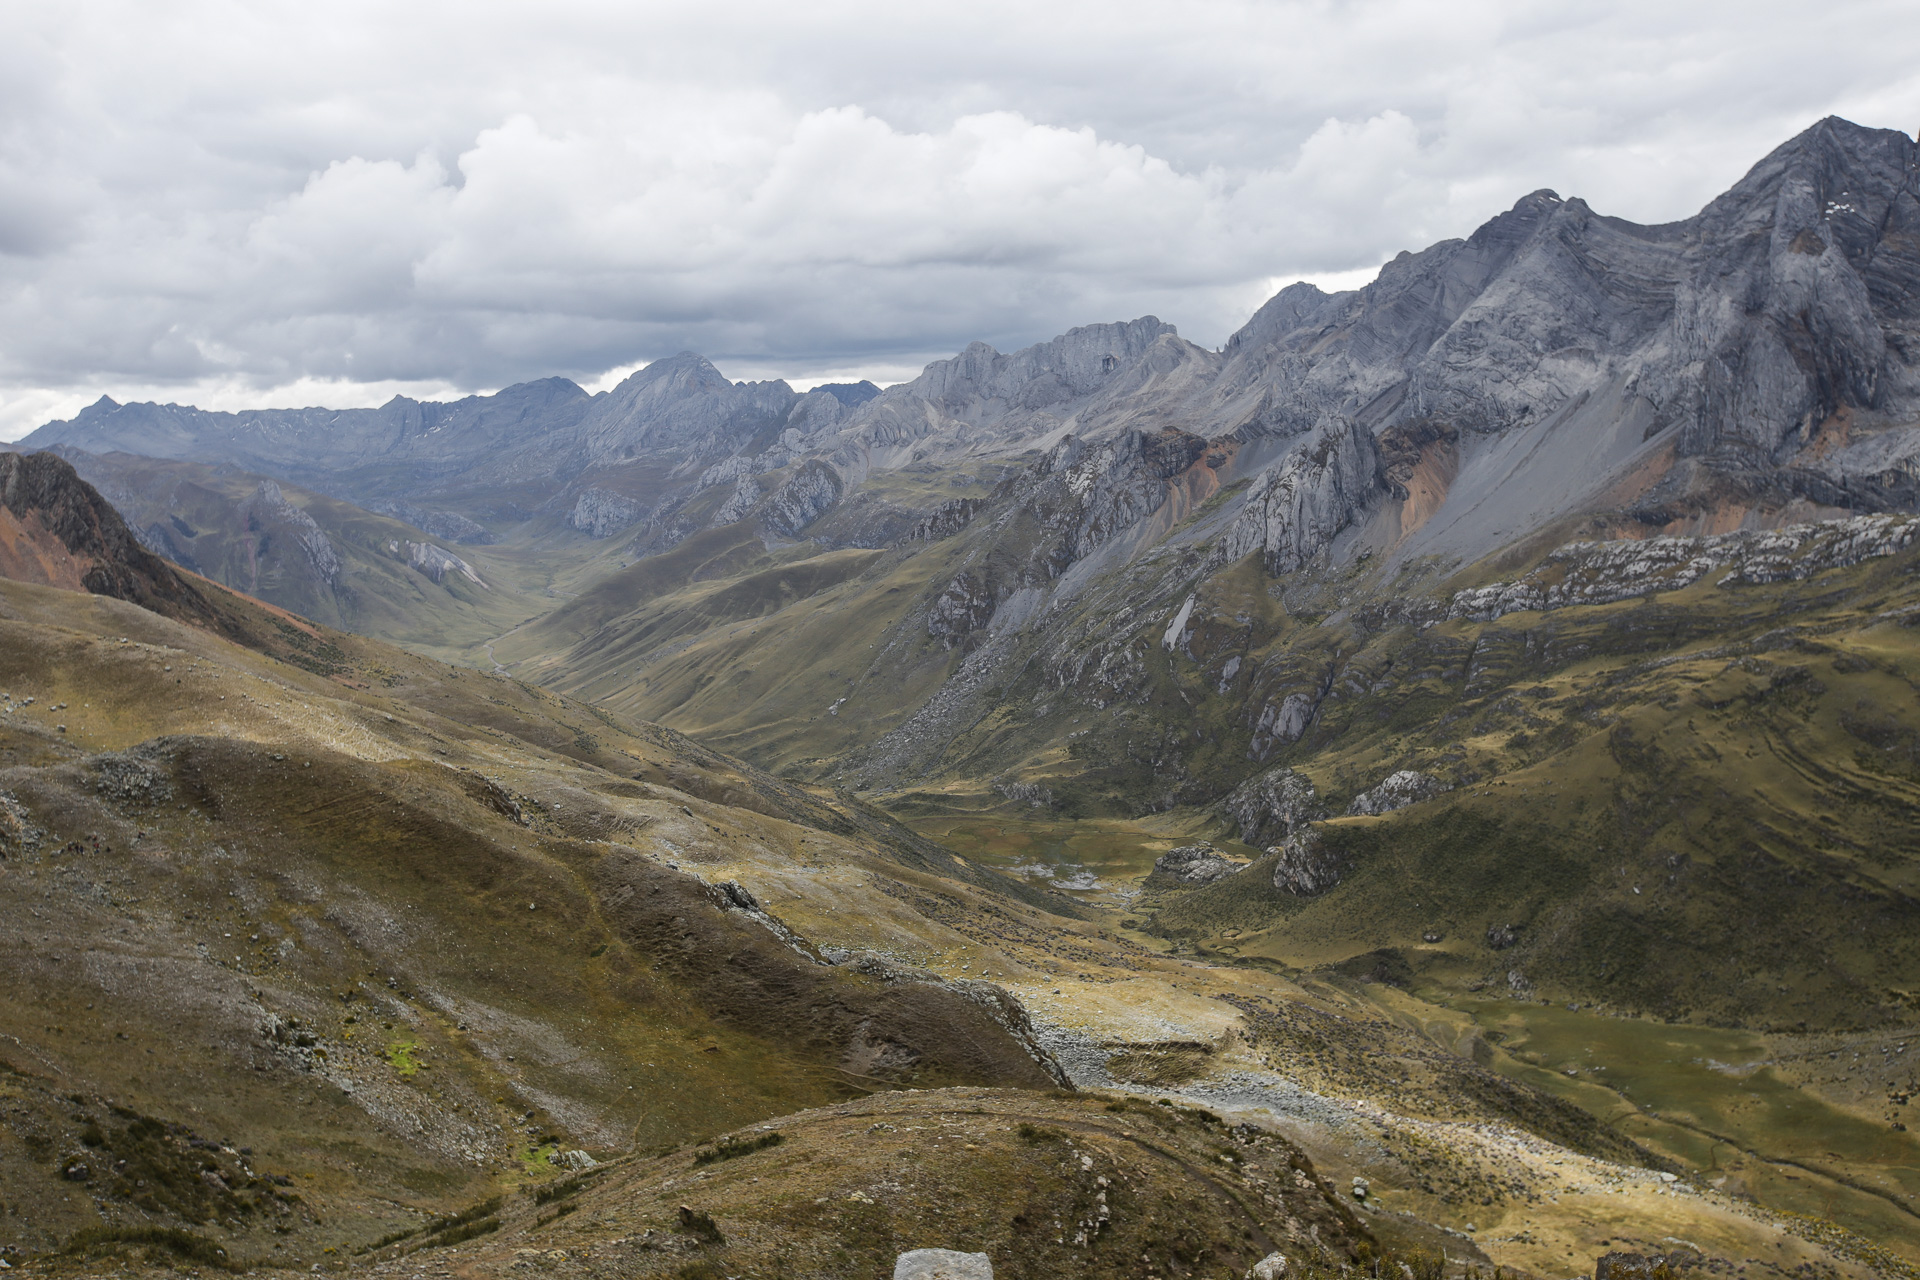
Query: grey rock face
[[745, 494], [947, 519], [1772, 336], [984, 396], [942, 1264], [1075, 500], [681, 405], [804, 498], [1603, 572], [438, 562], [1397, 791], [268, 512], [1196, 864], [601, 514], [1306, 866], [1271, 804], [1295, 509], [962, 608], [1282, 721], [1820, 235]]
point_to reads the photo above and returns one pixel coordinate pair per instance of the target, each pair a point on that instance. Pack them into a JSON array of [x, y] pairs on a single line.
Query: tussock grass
[[184, 1245], [734, 1148]]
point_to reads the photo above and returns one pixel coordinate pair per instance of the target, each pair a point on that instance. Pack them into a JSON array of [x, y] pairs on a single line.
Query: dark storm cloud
[[253, 204]]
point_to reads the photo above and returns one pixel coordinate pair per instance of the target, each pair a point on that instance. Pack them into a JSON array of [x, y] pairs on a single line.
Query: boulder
[[1397, 791], [1306, 866], [942, 1264], [1269, 805], [1271, 1267], [1196, 864], [438, 562]]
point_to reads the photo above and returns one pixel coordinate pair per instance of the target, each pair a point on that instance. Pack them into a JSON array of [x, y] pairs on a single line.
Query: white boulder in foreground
[[942, 1264]]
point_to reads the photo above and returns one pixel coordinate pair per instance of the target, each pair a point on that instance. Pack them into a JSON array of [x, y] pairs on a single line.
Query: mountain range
[[1529, 629]]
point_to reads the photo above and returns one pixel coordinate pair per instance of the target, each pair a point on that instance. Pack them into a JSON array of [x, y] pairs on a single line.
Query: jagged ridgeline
[[1612, 517]]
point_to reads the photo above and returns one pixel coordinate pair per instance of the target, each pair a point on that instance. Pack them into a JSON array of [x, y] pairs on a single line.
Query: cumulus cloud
[[205, 201]]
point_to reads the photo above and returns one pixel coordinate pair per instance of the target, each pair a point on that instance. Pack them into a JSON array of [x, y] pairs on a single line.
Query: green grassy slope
[[376, 935], [794, 657], [1699, 806]]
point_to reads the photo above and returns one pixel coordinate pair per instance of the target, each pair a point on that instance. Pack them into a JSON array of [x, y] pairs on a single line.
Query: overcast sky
[[322, 203]]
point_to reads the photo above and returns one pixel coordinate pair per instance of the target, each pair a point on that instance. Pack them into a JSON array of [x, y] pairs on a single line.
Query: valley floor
[[1775, 1146]]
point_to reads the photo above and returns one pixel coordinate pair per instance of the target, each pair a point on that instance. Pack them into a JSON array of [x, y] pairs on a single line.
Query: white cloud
[[267, 201]]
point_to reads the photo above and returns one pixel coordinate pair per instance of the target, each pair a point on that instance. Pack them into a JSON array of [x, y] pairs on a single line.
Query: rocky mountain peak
[[1773, 338], [681, 371], [980, 383], [850, 393], [1281, 314]]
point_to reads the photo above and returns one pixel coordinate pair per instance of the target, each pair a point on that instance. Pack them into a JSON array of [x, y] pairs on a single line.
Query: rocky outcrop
[[803, 498], [1196, 864], [601, 513], [1271, 1267], [1605, 572], [963, 607], [18, 835], [1621, 1265], [438, 562], [1397, 791], [1295, 508], [947, 519], [1269, 806], [1031, 794], [268, 515], [1305, 866], [731, 895], [737, 506]]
